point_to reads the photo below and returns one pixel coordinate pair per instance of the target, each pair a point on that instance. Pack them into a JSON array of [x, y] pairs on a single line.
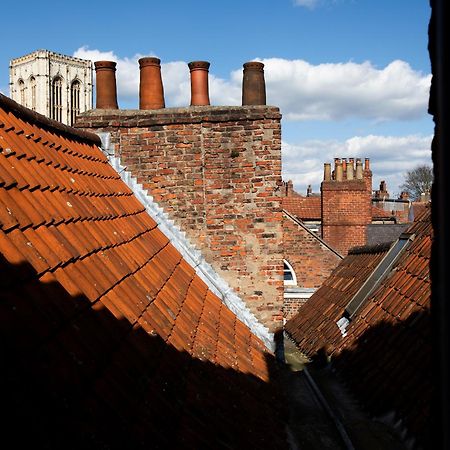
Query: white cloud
[[342, 90], [327, 92], [310, 4], [390, 158]]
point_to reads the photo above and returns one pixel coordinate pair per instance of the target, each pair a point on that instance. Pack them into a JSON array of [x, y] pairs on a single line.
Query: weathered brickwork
[[310, 258], [291, 307], [346, 212], [217, 172]]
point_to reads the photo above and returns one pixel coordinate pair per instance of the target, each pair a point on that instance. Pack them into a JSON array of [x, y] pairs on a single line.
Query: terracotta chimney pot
[[106, 89], [338, 170], [253, 84], [199, 83], [367, 164], [327, 172], [344, 166], [151, 91]]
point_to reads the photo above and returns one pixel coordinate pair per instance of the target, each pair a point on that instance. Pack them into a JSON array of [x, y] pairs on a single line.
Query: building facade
[[55, 85]]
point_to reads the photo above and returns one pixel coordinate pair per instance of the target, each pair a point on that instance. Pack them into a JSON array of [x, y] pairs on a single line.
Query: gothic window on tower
[[57, 99], [21, 86], [33, 93], [74, 101]]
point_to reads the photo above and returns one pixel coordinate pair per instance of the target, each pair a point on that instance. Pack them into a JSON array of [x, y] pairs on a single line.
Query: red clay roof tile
[[387, 336], [108, 313]]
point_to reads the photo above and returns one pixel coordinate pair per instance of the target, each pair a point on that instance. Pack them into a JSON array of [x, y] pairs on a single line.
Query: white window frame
[[292, 282]]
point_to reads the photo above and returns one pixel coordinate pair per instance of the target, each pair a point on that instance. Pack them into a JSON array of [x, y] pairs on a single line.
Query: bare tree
[[418, 181]]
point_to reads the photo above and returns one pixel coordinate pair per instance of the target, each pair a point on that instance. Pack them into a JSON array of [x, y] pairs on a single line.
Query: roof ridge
[[314, 235], [43, 121], [373, 248]]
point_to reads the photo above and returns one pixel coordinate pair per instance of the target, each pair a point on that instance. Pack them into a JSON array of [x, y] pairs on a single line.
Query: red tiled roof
[[309, 208], [385, 357], [109, 338], [380, 213], [305, 208]]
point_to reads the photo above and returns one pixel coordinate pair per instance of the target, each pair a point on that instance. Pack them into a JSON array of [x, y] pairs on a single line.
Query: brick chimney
[[106, 89], [199, 83], [151, 92], [346, 203], [382, 193], [253, 84]]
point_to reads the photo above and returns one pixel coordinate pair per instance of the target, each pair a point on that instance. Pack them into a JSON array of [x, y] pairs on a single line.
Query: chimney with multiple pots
[[151, 90], [346, 203]]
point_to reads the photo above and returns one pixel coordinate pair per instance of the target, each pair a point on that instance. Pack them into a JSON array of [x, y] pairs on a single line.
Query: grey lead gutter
[[193, 256]]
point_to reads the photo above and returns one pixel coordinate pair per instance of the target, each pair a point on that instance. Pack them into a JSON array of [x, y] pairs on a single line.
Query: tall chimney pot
[[253, 84], [359, 169], [106, 88], [327, 172], [151, 91], [350, 170], [367, 164], [199, 83], [338, 170], [344, 167]]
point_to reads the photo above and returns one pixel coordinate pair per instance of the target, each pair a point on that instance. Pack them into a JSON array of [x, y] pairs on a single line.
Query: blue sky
[[351, 76]]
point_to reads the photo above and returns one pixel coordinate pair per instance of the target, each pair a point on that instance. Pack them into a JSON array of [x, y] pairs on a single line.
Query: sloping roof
[[315, 325], [379, 233], [309, 208], [380, 213], [305, 208], [385, 357], [109, 338]]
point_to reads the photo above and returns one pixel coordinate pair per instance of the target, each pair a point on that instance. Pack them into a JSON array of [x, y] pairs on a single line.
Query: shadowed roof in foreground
[[385, 356], [109, 338]]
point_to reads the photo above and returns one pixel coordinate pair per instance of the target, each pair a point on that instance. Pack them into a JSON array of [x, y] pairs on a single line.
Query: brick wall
[[346, 212], [291, 307], [311, 259], [217, 172]]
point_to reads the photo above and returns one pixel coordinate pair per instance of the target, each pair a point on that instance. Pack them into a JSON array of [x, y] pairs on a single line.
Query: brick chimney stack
[[106, 89], [346, 204]]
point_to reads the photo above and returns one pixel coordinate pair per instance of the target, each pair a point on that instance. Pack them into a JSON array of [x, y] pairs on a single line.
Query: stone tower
[[55, 85]]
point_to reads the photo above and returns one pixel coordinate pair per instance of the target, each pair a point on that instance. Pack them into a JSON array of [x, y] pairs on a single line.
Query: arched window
[[74, 101], [289, 275], [57, 98], [33, 93], [21, 86]]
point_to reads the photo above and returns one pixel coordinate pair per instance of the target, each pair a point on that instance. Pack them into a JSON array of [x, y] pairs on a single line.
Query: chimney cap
[[201, 65], [149, 61], [105, 65], [255, 65]]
